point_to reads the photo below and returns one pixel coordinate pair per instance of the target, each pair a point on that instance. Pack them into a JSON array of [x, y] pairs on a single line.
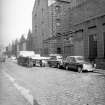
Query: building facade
[[39, 24], [76, 27], [57, 26], [83, 31]]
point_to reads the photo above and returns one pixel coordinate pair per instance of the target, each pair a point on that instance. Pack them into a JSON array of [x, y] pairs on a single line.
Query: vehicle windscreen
[[80, 59], [53, 57]]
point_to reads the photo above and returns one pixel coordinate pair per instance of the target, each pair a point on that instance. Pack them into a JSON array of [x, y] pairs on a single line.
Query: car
[[13, 58], [78, 63], [55, 60]]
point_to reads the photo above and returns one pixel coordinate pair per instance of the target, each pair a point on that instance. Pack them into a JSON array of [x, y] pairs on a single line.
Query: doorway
[[92, 47], [58, 50]]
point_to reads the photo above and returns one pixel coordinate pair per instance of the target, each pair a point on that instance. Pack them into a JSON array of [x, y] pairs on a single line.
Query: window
[[42, 11], [58, 9], [42, 22], [103, 24], [73, 59], [53, 57], [58, 22], [38, 2], [42, 34], [91, 27], [35, 28]]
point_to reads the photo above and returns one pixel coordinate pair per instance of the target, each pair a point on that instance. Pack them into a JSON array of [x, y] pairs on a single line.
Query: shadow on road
[[35, 102], [98, 72]]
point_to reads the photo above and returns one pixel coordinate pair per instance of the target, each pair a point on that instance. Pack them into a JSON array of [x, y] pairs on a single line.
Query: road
[[52, 86]]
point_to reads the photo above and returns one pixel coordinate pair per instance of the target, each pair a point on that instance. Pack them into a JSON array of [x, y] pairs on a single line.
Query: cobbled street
[[52, 86]]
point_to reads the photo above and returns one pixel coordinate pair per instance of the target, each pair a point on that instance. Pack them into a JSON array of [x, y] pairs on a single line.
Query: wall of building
[[58, 24], [39, 24], [86, 20], [87, 16]]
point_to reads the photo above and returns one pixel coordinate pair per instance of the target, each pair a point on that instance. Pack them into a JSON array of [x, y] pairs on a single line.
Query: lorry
[[25, 58], [30, 59]]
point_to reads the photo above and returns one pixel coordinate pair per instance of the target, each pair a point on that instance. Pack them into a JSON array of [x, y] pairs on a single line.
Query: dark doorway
[[92, 47], [68, 50], [58, 50]]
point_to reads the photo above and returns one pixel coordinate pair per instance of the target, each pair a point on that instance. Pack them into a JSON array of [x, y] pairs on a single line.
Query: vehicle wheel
[[30, 64], [49, 65], [58, 66], [79, 69], [43, 65], [67, 67]]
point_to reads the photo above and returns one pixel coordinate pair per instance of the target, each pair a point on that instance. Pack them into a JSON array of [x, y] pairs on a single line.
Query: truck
[[25, 58], [30, 59]]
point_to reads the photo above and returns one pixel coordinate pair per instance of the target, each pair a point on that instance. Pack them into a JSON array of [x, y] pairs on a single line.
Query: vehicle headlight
[[87, 66], [84, 66]]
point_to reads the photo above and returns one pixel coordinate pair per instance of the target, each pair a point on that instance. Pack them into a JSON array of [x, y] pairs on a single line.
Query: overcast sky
[[15, 19]]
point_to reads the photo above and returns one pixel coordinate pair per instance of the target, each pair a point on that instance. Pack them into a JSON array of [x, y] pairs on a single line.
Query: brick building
[[88, 21], [57, 27], [39, 24], [76, 27], [83, 31]]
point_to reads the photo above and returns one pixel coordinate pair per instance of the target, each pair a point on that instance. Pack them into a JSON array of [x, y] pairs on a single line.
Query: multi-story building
[[77, 27], [39, 24], [86, 34], [88, 21], [57, 13]]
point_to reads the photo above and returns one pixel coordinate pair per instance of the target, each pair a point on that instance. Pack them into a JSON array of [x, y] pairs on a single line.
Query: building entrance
[[58, 50], [92, 47]]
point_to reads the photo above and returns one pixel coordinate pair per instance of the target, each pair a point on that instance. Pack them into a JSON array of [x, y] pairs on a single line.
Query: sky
[[15, 19]]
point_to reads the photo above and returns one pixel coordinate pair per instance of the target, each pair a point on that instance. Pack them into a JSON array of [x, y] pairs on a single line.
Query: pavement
[[9, 95], [100, 71]]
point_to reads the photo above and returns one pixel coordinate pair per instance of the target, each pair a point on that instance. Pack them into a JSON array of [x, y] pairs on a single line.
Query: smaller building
[[22, 43]]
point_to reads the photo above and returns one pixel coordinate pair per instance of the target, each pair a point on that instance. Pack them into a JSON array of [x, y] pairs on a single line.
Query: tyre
[[67, 67], [79, 69], [49, 65], [58, 66], [30, 64]]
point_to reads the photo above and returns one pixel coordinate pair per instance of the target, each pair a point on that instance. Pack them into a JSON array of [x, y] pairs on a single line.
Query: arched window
[[38, 2]]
